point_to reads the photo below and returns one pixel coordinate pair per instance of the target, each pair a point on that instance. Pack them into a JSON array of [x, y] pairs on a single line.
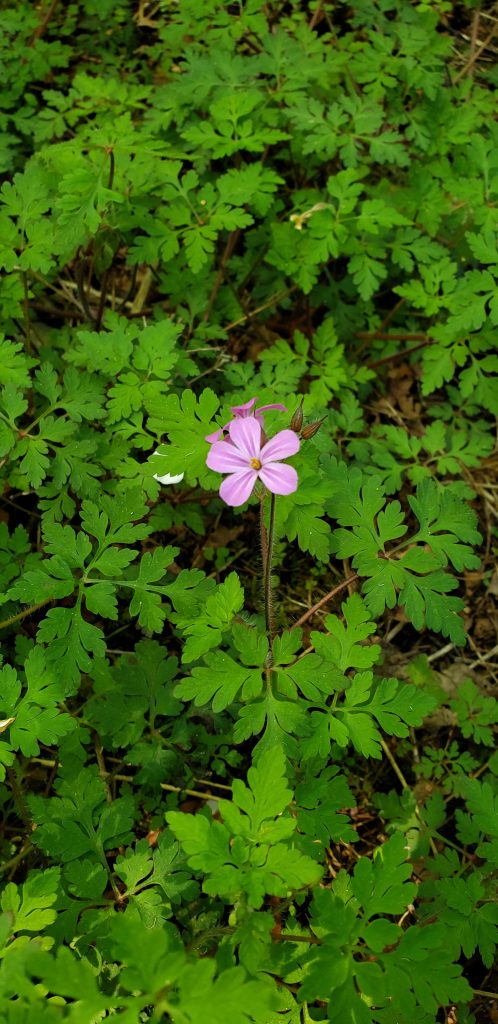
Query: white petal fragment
[[168, 478]]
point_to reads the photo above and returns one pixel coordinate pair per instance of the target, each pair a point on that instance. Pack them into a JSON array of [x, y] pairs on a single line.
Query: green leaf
[[69, 976], [14, 365], [475, 712], [186, 422], [100, 598], [75, 547], [344, 643], [312, 533], [114, 521], [483, 246], [251, 645], [321, 801], [482, 804], [220, 682], [53, 580], [367, 273], [268, 793], [207, 631], [250, 852], [422, 591], [133, 694], [80, 821], [367, 702], [71, 640], [298, 516], [29, 907], [444, 523], [381, 885], [146, 600], [34, 706], [243, 1001]]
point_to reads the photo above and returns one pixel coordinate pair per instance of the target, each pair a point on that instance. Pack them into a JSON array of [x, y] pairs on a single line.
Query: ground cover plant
[[248, 515]]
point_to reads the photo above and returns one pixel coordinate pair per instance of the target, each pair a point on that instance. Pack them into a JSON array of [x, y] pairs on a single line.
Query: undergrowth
[[223, 801]]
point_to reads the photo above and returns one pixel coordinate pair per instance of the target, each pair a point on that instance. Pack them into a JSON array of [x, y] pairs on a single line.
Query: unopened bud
[[308, 432], [297, 419]]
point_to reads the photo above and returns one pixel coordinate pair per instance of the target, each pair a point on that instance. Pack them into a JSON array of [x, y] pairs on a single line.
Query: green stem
[[22, 615], [204, 937], [397, 770], [103, 296], [10, 865], [311, 939], [46, 412], [20, 804], [112, 168], [27, 320]]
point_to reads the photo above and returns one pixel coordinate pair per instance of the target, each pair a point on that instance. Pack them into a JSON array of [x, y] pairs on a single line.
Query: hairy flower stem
[[27, 320], [24, 613], [267, 538], [263, 536]]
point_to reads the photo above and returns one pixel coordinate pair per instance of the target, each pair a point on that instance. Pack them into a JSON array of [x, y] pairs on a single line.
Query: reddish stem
[[324, 600]]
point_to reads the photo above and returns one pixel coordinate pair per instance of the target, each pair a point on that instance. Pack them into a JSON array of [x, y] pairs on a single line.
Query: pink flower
[[243, 458], [242, 412]]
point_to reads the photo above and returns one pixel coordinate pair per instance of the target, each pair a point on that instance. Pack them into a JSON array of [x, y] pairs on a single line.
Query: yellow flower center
[[255, 464]]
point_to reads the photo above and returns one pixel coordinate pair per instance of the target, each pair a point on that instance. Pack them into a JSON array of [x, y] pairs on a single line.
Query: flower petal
[[226, 458], [237, 487], [168, 478], [279, 478], [246, 435], [285, 443], [276, 405], [215, 436], [243, 410]]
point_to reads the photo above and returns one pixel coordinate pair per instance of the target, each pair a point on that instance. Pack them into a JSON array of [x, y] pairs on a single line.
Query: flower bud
[[297, 419], [312, 429]]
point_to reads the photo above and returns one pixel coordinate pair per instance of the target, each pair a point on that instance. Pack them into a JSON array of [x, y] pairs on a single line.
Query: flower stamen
[[245, 460]]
